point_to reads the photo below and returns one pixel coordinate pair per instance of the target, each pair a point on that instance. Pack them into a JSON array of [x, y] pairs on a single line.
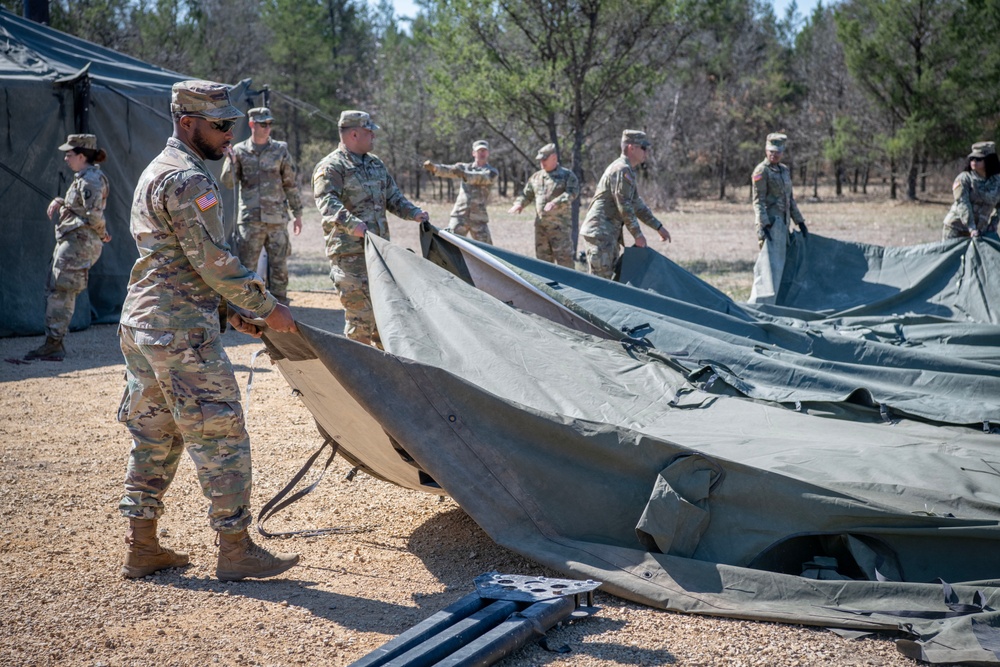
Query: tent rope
[[21, 178]]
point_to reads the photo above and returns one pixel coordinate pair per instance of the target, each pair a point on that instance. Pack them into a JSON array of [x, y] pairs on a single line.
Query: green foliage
[[903, 53], [536, 71]]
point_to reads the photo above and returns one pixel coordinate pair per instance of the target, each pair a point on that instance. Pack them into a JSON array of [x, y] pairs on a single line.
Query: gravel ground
[[403, 556]]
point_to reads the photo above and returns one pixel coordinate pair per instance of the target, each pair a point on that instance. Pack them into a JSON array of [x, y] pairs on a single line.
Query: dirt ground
[[403, 555]]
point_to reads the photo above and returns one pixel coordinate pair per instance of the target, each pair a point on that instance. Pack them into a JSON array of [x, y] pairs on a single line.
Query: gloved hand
[[429, 166], [764, 233], [804, 230]]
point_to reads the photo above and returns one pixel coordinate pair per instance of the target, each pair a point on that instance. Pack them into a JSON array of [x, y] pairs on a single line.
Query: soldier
[[180, 388], [80, 235], [976, 191], [773, 204], [469, 215], [617, 204], [553, 189], [266, 174], [353, 191]]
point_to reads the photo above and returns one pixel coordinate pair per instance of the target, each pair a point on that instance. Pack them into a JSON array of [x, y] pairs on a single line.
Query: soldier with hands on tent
[[353, 191], [617, 205], [976, 191], [774, 207], [181, 392]]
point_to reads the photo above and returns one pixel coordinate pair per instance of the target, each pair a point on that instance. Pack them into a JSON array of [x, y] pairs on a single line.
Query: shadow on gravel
[[299, 591], [456, 551]]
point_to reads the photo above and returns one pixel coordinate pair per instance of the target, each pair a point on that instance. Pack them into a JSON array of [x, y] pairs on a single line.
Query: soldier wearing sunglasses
[[181, 393]]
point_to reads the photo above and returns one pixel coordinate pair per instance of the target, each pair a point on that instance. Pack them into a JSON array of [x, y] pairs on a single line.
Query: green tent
[[54, 84], [597, 457]]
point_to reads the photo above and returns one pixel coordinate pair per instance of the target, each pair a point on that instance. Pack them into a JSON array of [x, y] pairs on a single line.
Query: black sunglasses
[[220, 125], [264, 124], [976, 159]]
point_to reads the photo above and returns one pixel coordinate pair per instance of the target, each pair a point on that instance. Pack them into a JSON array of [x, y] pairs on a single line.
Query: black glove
[[804, 230], [764, 233]]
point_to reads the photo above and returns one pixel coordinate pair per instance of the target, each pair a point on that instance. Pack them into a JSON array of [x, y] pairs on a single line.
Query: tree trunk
[[723, 172], [911, 177], [838, 169], [578, 139], [892, 178]]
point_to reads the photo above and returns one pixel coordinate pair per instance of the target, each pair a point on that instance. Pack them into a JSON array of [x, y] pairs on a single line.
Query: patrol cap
[[545, 151], [74, 141], [355, 118], [983, 148], [203, 98], [260, 115], [776, 141], [482, 143], [637, 137]]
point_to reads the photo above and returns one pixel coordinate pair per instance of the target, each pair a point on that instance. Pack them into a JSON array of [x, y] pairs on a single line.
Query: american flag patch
[[758, 176], [206, 201], [957, 184]]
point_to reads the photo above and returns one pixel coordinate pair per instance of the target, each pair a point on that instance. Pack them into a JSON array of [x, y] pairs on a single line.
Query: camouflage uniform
[[180, 387], [975, 200], [773, 205], [553, 229], [616, 204], [354, 192], [78, 246], [469, 214], [266, 175]]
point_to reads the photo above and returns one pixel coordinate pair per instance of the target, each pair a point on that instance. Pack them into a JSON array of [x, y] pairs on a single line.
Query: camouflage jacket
[[771, 190], [617, 203], [184, 263], [559, 185], [474, 192], [84, 202], [266, 176], [975, 199], [352, 191]]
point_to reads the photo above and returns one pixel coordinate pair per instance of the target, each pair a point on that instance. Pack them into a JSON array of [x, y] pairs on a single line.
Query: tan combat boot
[[240, 558], [145, 555], [51, 350]]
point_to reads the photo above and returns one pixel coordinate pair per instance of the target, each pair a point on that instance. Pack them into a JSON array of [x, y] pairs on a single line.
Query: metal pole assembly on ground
[[502, 615]]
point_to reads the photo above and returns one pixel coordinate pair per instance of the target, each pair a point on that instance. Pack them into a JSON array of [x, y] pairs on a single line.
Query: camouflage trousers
[[602, 255], [181, 393], [250, 238], [74, 255], [476, 227], [554, 241], [350, 278]]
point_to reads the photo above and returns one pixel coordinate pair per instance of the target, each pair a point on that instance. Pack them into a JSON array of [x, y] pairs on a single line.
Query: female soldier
[[80, 232], [976, 191]]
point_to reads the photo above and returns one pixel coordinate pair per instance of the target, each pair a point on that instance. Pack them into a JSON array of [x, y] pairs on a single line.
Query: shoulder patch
[[206, 201], [957, 184], [757, 175], [628, 176]]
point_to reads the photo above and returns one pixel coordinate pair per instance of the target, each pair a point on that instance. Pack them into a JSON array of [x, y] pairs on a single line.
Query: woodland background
[[876, 95]]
